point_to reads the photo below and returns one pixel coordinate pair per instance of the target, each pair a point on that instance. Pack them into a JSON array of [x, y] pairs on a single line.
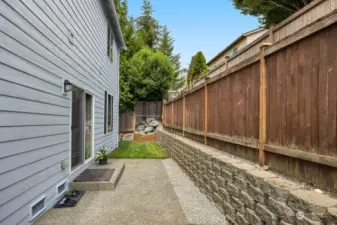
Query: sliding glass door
[[81, 127]]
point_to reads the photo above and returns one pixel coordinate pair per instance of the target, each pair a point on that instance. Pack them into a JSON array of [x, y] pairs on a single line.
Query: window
[[61, 188], [110, 44], [108, 113], [88, 126], [37, 207], [233, 51]]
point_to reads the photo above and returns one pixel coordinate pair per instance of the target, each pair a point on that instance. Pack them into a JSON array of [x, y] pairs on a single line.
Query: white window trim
[[107, 110], [93, 130], [65, 188], [31, 216], [111, 45]]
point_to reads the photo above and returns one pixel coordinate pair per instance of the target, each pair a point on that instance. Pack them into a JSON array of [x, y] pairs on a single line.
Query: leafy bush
[[102, 154], [151, 74]]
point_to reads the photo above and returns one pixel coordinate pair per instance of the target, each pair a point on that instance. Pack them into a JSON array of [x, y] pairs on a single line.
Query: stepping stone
[[95, 175], [100, 177], [128, 137]]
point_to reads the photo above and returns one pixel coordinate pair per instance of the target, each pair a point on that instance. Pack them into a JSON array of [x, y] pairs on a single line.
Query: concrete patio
[[149, 192]]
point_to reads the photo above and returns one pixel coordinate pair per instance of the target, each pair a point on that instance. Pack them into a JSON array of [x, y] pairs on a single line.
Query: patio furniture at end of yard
[[136, 150]]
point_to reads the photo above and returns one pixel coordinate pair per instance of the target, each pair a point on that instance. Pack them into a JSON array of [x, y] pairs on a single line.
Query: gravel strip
[[197, 208]]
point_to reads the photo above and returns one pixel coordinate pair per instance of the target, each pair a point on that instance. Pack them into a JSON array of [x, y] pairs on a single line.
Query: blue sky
[[199, 25]]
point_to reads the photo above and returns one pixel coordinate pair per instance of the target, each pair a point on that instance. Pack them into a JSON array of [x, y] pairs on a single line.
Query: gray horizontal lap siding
[[35, 55]]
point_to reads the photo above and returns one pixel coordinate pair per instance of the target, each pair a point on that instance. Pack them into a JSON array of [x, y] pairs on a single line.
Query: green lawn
[[134, 149]]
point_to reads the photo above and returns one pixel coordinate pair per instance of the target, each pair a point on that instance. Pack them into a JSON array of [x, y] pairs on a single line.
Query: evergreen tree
[[132, 41], [133, 46], [166, 46], [152, 75], [197, 69], [166, 42], [199, 66], [144, 73], [148, 26], [190, 74]]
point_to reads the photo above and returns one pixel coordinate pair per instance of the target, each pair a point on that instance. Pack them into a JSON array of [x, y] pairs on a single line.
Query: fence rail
[[278, 108]]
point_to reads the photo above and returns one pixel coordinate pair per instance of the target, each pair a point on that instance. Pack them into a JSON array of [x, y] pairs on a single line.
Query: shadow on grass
[[139, 150]]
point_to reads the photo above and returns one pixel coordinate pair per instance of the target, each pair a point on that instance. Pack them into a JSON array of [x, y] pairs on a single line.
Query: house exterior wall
[[254, 36], [241, 44], [35, 117], [246, 40]]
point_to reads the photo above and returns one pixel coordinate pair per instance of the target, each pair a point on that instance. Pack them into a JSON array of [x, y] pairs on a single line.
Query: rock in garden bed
[[146, 125], [149, 129]]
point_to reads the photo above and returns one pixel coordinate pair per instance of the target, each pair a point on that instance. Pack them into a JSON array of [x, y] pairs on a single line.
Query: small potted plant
[[102, 156]]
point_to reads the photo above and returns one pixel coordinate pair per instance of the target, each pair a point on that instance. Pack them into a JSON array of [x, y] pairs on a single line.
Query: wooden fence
[[149, 109], [127, 120], [278, 107]]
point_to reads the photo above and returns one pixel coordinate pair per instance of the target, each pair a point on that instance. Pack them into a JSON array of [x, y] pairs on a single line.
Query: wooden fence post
[[206, 111], [227, 59], [184, 115], [263, 87], [172, 118], [271, 33], [134, 118], [163, 114]]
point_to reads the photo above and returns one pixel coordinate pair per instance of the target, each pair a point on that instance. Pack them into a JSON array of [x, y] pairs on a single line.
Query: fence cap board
[[297, 14], [314, 27]]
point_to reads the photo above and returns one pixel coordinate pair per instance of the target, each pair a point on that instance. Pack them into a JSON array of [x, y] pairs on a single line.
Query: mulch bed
[[151, 138]]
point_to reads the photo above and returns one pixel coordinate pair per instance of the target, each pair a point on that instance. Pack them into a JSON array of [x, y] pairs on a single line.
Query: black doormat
[[70, 199], [89, 175]]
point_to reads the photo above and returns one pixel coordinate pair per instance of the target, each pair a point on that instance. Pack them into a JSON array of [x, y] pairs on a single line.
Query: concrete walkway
[[144, 196]]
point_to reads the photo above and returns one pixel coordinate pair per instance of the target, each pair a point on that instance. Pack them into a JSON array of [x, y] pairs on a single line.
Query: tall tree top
[[147, 8], [148, 26], [166, 42], [199, 65]]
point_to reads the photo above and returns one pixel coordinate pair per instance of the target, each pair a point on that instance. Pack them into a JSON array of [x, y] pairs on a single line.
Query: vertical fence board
[[178, 113], [322, 93], [168, 114], [126, 122], [314, 73], [195, 110], [332, 91]]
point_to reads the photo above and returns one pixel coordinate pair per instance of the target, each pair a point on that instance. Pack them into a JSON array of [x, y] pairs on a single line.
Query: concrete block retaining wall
[[242, 191]]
